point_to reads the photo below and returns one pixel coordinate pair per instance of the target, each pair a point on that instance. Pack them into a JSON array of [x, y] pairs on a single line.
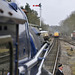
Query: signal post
[[40, 11]]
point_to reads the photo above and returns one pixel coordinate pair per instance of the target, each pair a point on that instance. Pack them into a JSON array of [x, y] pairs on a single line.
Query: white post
[[40, 14]]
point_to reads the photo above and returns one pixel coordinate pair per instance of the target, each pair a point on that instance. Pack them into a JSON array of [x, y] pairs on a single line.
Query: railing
[[46, 53], [27, 66], [40, 67]]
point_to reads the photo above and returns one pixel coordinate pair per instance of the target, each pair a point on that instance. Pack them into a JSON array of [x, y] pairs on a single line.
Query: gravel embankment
[[65, 58]]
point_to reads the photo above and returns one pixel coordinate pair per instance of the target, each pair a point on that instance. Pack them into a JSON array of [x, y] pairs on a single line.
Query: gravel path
[[64, 59]]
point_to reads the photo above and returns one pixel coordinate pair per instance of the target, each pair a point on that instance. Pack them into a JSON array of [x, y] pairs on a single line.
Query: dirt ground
[[67, 58]]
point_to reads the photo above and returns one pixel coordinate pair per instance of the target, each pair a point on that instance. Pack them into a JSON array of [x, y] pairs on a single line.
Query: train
[[45, 35], [19, 43], [56, 34], [73, 35]]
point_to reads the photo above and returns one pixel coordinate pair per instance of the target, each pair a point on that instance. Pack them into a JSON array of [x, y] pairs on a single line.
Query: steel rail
[[4, 57], [68, 41], [56, 59], [51, 47]]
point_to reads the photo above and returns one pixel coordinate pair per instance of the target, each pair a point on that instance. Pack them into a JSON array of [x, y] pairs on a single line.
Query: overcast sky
[[53, 11]]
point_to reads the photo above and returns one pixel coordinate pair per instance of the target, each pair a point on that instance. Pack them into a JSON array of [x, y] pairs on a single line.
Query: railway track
[[72, 42], [5, 57], [4, 63], [52, 57]]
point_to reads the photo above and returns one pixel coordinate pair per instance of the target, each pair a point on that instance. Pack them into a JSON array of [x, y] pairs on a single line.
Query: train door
[[6, 55]]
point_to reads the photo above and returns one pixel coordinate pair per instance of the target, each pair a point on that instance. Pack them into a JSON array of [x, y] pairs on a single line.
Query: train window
[[6, 57], [24, 43], [36, 31], [0, 28], [5, 27]]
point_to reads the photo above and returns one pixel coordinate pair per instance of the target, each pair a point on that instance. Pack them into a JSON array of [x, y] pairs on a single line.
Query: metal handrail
[[40, 67], [46, 53], [34, 61]]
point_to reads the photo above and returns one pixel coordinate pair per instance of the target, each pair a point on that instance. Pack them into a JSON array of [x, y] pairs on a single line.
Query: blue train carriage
[[11, 16], [36, 37]]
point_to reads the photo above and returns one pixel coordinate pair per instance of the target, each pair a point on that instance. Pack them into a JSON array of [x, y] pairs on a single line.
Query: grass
[[72, 61], [69, 52], [73, 72], [72, 65], [3, 50], [73, 68], [67, 47]]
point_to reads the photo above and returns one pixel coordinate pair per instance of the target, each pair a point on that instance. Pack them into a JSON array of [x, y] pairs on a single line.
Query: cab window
[[6, 58]]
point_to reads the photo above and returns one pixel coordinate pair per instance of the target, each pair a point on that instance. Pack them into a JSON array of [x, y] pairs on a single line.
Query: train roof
[[36, 31], [9, 12], [44, 31]]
